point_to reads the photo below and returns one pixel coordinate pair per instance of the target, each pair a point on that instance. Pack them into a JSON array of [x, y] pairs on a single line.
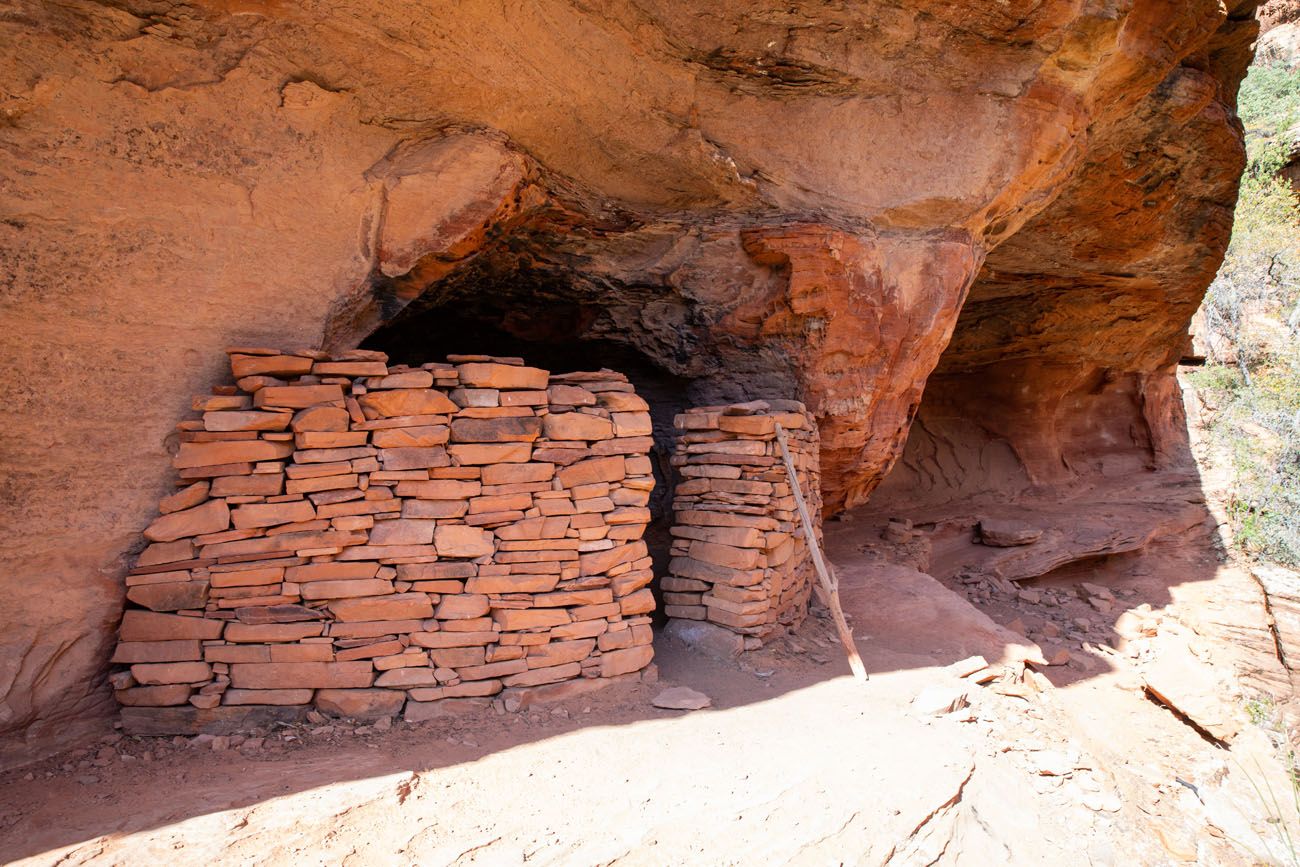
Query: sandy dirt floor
[[794, 763]]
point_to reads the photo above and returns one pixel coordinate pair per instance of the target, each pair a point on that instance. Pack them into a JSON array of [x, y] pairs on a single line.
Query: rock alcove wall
[[762, 200]]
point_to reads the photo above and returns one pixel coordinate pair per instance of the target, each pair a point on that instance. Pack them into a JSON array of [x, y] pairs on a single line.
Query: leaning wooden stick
[[830, 586]]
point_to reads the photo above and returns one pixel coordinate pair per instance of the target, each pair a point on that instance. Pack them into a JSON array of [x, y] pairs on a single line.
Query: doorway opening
[[554, 323]]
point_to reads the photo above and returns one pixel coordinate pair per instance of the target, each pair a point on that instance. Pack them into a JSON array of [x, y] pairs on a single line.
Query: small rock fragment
[[681, 698], [968, 666], [939, 700]]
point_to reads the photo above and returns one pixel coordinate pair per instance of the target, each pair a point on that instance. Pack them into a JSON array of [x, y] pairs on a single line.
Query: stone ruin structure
[[372, 539], [363, 537], [740, 560]]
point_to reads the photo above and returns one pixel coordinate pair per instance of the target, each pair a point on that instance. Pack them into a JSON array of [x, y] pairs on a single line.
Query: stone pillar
[[740, 560]]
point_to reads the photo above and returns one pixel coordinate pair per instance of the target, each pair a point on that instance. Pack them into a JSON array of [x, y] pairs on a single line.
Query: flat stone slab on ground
[[681, 698]]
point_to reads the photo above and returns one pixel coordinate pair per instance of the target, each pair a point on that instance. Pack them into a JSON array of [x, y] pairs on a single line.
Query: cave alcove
[[547, 320]]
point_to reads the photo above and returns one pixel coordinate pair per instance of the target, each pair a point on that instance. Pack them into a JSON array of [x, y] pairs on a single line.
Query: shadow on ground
[[791, 706]]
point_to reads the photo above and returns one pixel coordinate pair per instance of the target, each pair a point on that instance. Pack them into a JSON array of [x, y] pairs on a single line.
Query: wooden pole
[[829, 585]]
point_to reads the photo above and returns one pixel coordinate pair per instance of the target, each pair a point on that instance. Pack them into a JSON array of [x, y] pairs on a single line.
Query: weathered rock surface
[[763, 200], [1275, 13], [1190, 688], [1001, 533], [1282, 589], [681, 698], [1280, 45]]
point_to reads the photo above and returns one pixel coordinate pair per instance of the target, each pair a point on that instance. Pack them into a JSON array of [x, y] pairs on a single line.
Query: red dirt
[[795, 762]]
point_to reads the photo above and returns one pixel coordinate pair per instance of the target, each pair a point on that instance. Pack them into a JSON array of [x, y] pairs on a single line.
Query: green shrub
[[1253, 311], [1269, 99]]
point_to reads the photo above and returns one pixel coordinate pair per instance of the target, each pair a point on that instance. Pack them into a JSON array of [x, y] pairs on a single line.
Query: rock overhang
[[770, 200]]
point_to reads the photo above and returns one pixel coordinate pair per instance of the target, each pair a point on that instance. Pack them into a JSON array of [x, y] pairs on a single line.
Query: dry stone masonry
[[740, 560], [366, 538]]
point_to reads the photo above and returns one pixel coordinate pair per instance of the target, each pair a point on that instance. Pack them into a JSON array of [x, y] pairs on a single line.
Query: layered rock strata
[[764, 199], [366, 537], [740, 558]]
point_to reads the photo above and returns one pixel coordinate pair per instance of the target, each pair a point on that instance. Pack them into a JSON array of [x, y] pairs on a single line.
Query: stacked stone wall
[[366, 538], [740, 559]]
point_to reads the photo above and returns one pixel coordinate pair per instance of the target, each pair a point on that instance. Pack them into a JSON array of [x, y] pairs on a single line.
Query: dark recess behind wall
[[432, 333]]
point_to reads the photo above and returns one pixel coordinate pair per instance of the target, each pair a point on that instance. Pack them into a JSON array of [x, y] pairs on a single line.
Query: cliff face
[[758, 199]]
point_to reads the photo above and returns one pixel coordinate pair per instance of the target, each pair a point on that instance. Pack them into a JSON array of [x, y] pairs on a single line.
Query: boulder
[[360, 704], [1003, 533]]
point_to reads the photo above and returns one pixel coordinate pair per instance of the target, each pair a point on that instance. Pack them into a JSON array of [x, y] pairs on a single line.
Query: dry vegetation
[[1252, 378]]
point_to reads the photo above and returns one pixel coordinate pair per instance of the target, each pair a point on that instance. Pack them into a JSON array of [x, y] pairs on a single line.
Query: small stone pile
[[740, 560], [364, 537]]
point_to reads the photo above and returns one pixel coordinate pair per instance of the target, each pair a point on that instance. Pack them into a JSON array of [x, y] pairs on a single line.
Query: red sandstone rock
[[513, 583], [577, 426], [330, 571], [505, 453], [246, 421], [271, 514], [456, 541], [350, 368], [509, 620], [257, 632], [360, 704], [439, 489], [396, 606], [151, 674], [456, 657], [269, 365], [170, 596], [153, 696], [210, 517], [298, 396], [403, 531], [208, 454], [606, 469], [260, 485], [301, 675], [420, 436], [481, 375], [493, 669], [603, 561], [185, 498], [570, 395], [394, 460], [148, 626], [452, 639], [266, 696], [430, 699], [560, 653], [128, 652], [549, 674], [618, 662], [496, 430], [514, 474], [640, 602], [462, 607], [320, 418], [346, 589], [406, 401]]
